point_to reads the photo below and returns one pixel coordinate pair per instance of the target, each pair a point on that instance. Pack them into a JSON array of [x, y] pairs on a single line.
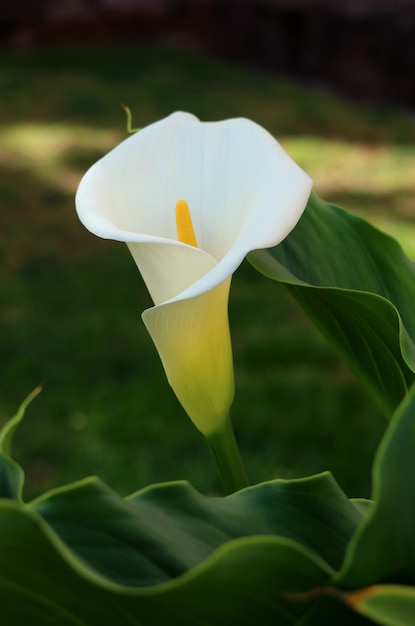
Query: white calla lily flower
[[191, 199]]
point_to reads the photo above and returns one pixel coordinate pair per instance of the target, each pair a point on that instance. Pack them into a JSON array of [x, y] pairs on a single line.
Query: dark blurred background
[[363, 48]]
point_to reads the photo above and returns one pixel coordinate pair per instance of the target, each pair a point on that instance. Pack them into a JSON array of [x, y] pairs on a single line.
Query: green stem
[[228, 460]]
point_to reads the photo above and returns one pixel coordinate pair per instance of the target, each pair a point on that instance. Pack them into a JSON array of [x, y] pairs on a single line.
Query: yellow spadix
[[184, 224]]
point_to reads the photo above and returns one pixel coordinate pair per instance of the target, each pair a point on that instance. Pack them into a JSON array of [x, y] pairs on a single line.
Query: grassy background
[[70, 303]]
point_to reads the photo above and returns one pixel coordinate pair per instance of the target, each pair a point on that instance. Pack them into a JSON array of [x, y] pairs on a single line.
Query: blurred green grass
[[70, 303]]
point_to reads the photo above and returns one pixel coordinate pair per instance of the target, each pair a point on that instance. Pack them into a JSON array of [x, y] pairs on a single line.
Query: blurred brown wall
[[365, 48]]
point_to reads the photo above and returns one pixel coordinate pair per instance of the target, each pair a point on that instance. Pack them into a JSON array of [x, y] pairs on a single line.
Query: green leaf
[[41, 583], [358, 287], [382, 551], [165, 530], [383, 548], [388, 605], [11, 474], [169, 555]]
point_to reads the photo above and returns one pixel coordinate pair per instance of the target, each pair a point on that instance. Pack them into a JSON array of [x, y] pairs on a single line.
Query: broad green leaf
[[383, 548], [387, 605], [11, 474], [42, 582], [358, 286], [244, 583], [169, 555], [163, 531]]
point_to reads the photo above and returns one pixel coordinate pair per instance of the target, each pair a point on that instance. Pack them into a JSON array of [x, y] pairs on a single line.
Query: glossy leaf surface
[[383, 548], [163, 531], [358, 287], [83, 555]]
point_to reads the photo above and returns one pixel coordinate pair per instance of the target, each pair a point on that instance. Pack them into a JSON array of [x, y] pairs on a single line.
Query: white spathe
[[244, 193]]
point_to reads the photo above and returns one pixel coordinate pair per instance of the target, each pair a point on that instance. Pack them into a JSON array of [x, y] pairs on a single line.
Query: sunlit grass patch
[[376, 181], [57, 153], [348, 165]]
